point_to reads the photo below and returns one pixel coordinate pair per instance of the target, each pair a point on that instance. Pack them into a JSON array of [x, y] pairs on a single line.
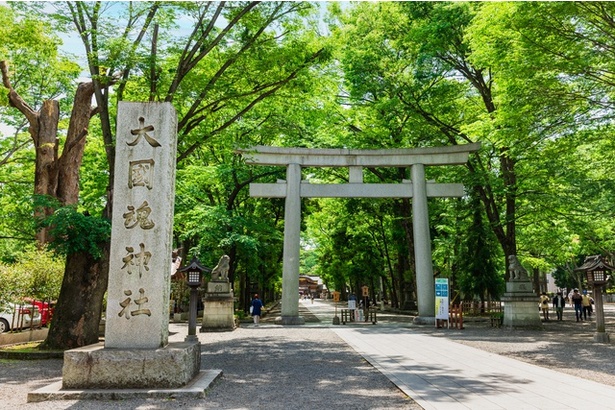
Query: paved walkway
[[441, 374]]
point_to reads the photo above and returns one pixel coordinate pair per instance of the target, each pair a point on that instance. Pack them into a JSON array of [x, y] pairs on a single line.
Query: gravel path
[[264, 368], [307, 367]]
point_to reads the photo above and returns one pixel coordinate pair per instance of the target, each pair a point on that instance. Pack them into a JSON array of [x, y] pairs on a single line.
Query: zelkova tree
[[236, 56], [33, 104], [557, 59], [56, 171], [452, 73], [418, 61], [58, 160]]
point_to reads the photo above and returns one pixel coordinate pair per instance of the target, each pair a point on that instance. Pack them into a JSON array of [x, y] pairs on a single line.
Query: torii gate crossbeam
[[293, 189]]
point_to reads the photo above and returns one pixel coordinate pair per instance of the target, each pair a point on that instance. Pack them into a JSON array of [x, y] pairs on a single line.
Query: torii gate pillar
[[292, 245], [422, 247], [355, 160]]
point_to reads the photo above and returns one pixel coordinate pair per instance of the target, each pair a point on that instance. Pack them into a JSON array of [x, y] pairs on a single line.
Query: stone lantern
[[596, 271], [194, 279]]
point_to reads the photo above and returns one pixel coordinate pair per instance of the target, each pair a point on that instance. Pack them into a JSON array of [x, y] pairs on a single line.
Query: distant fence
[[475, 308], [491, 309], [455, 315]]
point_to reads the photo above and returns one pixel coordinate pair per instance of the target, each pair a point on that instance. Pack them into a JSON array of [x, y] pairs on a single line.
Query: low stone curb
[[13, 355]]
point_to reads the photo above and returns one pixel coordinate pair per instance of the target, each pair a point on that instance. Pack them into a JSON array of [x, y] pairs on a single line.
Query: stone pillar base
[[218, 312], [289, 320], [97, 367], [521, 306]]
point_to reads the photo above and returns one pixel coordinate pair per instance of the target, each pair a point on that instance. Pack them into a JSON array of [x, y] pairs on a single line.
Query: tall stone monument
[[218, 314], [136, 352], [520, 302]]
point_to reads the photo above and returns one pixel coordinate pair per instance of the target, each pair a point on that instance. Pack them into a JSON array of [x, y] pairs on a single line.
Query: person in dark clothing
[[558, 304], [257, 307], [577, 300]]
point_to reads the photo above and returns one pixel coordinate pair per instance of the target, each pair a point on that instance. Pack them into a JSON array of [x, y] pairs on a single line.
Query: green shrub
[[36, 274], [240, 314], [76, 232]]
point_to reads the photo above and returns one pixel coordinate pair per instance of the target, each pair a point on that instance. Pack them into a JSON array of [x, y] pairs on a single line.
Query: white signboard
[[442, 298]]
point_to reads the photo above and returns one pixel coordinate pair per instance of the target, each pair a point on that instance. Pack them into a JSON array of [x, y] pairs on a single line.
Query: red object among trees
[[45, 308]]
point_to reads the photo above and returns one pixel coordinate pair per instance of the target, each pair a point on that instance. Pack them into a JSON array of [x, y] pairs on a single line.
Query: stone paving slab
[[441, 374]]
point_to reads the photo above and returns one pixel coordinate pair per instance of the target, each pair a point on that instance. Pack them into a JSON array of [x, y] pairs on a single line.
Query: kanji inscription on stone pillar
[[137, 313]]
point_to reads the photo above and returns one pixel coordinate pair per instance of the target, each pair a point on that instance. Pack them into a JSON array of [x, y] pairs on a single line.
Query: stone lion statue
[[220, 272], [516, 270]]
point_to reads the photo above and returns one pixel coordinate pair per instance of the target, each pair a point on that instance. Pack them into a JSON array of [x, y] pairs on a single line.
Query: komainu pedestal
[[218, 312], [520, 302]]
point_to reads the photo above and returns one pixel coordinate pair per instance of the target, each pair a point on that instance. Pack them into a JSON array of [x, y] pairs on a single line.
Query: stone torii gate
[[293, 189]]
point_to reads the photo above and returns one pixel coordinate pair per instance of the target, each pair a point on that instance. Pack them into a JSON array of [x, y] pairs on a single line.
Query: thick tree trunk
[[243, 294], [46, 167], [233, 264], [78, 311], [79, 308], [55, 176], [43, 129], [69, 163], [536, 280], [395, 290]]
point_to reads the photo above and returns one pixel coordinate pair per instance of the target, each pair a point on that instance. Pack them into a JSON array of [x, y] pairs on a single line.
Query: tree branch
[[191, 58], [252, 103], [18, 102]]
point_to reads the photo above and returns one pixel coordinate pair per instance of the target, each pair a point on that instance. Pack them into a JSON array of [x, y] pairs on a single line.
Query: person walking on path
[[544, 305], [558, 304], [569, 298], [587, 305], [257, 306], [577, 300]]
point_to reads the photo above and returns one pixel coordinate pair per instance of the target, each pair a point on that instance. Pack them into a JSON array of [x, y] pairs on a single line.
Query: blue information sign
[[442, 298]]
